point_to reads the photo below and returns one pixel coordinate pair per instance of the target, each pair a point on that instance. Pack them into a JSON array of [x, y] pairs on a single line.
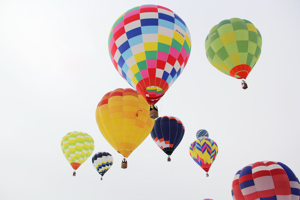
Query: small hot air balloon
[[202, 133], [167, 133], [233, 47], [204, 151], [77, 148], [207, 199], [265, 180], [124, 120], [102, 161], [149, 46]]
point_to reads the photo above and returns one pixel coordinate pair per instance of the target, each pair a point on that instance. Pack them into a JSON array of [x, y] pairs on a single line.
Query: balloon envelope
[[204, 152], [77, 147], [202, 133], [149, 46], [265, 180], [233, 47], [102, 161], [123, 117], [167, 133]]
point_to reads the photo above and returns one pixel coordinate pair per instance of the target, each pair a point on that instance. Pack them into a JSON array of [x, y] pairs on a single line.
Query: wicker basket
[[153, 114], [124, 164]]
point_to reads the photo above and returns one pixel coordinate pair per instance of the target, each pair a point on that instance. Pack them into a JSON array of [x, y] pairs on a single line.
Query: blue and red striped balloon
[[167, 133], [266, 180]]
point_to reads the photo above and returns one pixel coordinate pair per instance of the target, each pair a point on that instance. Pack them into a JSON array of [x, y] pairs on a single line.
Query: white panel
[[132, 25], [165, 31], [121, 40], [150, 37], [149, 15]]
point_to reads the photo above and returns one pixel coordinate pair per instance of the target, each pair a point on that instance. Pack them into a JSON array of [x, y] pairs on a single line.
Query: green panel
[[247, 21], [241, 34], [259, 41], [176, 45], [163, 47], [233, 20], [213, 29], [257, 52], [210, 53], [226, 21], [222, 53], [138, 76], [252, 47], [217, 44], [240, 25], [249, 59], [217, 60], [151, 55], [225, 29], [242, 46], [231, 48], [213, 36], [142, 65], [229, 63], [186, 47], [243, 57], [253, 36]]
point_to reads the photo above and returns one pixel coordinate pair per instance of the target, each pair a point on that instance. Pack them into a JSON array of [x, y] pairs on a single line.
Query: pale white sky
[[55, 68]]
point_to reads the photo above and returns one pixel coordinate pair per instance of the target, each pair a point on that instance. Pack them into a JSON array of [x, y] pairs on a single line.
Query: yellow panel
[[235, 59], [134, 80], [251, 27], [178, 37], [135, 69], [188, 40], [140, 57], [228, 38], [150, 46], [164, 39]]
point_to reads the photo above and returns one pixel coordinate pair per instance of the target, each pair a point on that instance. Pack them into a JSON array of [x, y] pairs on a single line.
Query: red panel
[[132, 18], [119, 33]]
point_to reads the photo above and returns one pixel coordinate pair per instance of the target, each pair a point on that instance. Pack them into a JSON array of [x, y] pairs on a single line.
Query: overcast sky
[[55, 68]]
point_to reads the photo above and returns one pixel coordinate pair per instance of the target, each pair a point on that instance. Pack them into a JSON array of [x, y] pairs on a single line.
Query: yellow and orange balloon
[[123, 117]]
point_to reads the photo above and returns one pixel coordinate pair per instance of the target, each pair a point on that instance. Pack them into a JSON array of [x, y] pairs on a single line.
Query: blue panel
[[136, 40], [178, 18], [134, 32], [269, 198], [123, 47], [173, 72], [166, 24], [169, 79], [165, 128], [178, 23], [125, 67], [165, 76], [149, 22], [121, 61], [166, 17], [246, 184], [127, 54], [124, 74], [150, 29]]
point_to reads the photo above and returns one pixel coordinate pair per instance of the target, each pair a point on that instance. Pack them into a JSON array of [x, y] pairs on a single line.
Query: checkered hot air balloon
[[207, 199], [102, 161], [77, 148], [123, 117], [204, 152], [265, 180], [167, 133], [233, 47], [149, 46]]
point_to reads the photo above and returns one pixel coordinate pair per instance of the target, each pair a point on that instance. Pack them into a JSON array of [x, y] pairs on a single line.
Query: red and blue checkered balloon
[[266, 180], [149, 46]]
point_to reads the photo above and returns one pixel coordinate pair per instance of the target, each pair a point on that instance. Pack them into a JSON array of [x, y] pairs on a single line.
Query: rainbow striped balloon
[[265, 180], [149, 46]]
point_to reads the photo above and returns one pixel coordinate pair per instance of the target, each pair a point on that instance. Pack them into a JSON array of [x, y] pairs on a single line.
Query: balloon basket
[[153, 112], [124, 164], [244, 85], [207, 175], [169, 159], [74, 173]]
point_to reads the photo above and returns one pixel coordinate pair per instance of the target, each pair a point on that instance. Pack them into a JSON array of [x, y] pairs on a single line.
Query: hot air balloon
[[207, 199], [233, 46], [149, 46], [124, 120], [265, 180], [202, 133], [77, 148], [102, 161], [167, 133], [204, 151]]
